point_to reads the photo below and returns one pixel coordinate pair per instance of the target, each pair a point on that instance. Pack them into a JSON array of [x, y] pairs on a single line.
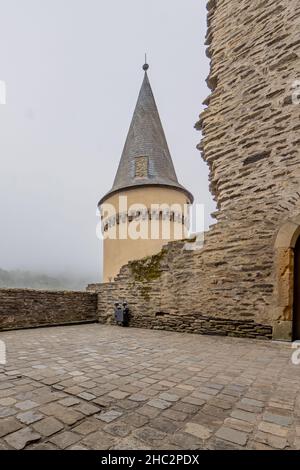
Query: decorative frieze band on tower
[[145, 214], [156, 203]]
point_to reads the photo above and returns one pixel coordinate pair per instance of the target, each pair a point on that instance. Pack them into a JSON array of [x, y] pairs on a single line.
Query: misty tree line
[[30, 280]]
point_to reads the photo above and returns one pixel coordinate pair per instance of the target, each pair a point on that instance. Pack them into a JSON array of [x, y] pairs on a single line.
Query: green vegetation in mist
[[30, 280]]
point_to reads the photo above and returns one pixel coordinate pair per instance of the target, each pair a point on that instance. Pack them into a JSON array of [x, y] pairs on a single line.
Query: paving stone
[[102, 402], [277, 418], [208, 390], [87, 409], [5, 385], [58, 387], [88, 426], [252, 402], [198, 430], [26, 405], [47, 397], [76, 373], [98, 441], [250, 408], [119, 429], [186, 441], [118, 394], [271, 440], [136, 420], [74, 390], [7, 401], [149, 435], [210, 422], [138, 397], [282, 406], [215, 411], [3, 446], [175, 415], [42, 446], [258, 395], [64, 414], [194, 401], [149, 381], [244, 416], [48, 426], [87, 396], [129, 443], [165, 425], [224, 405], [6, 412], [297, 443], [160, 404], [23, 396], [8, 426], [69, 401], [29, 417], [169, 397], [232, 392], [214, 385], [127, 404], [220, 444], [65, 439], [273, 429], [19, 439], [226, 398], [77, 447], [201, 396], [254, 445], [231, 435], [109, 416], [50, 380], [239, 382], [187, 408], [239, 425], [148, 411], [186, 387]]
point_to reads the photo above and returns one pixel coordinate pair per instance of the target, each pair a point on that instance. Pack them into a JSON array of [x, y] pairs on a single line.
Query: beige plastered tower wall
[[119, 250], [155, 208], [240, 283]]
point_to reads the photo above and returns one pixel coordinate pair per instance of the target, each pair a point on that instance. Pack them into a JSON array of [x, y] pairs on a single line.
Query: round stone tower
[[146, 207]]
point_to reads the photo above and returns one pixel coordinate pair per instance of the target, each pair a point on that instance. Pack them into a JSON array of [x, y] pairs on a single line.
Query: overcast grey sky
[[73, 72]]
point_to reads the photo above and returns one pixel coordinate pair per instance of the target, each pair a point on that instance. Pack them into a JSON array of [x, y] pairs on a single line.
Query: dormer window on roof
[[141, 167]]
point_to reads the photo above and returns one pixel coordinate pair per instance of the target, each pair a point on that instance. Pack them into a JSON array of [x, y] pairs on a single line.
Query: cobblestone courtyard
[[100, 387]]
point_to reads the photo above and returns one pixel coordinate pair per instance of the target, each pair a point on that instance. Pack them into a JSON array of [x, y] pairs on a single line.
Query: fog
[[73, 70]]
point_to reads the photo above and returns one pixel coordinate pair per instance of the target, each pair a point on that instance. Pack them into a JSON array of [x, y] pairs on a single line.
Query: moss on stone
[[190, 240], [146, 270]]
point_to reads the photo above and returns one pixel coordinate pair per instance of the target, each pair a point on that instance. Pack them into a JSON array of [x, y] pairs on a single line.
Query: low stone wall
[[187, 323], [151, 289], [25, 308]]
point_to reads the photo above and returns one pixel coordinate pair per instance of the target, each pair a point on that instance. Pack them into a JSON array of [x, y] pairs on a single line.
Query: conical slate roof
[[146, 138]]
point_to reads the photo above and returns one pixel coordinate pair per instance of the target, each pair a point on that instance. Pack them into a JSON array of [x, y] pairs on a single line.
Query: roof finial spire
[[145, 66]]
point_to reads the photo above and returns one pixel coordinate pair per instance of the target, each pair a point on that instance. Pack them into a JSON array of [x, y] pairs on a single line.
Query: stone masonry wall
[[24, 308], [251, 144], [163, 297]]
